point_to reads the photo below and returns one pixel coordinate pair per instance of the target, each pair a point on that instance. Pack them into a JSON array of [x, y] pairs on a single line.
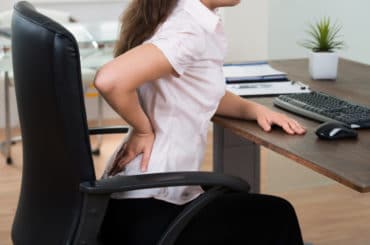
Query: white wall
[[288, 21], [246, 27], [83, 10]]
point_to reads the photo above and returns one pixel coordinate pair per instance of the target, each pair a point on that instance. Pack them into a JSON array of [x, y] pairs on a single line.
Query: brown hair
[[139, 22]]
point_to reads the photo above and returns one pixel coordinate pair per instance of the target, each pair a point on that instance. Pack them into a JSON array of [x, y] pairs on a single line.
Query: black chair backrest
[[56, 147]]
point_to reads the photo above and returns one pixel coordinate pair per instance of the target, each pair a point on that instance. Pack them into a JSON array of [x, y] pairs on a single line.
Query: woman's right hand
[[138, 143]]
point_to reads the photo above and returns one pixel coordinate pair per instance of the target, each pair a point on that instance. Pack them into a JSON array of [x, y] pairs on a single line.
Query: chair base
[[96, 152], [5, 148]]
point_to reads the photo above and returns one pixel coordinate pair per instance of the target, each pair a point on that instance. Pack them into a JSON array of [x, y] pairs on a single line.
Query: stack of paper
[[256, 71], [259, 79], [268, 88]]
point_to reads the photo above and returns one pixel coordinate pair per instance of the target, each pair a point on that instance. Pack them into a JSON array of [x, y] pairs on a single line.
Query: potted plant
[[324, 41]]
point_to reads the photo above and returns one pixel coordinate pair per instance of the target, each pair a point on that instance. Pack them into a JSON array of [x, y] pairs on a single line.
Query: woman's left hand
[[266, 118], [138, 143]]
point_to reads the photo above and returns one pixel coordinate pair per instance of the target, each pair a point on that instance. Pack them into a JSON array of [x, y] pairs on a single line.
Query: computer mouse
[[335, 130]]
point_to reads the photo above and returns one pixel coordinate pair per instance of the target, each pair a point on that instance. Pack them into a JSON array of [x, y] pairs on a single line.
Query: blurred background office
[[256, 29]]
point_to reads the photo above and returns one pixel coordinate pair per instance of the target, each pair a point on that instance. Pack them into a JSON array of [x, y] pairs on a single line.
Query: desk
[[97, 34], [237, 142]]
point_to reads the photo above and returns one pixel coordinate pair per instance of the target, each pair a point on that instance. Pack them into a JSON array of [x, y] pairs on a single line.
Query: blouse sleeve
[[182, 46]]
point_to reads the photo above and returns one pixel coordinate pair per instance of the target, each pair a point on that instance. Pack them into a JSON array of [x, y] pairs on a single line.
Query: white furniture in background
[[59, 16], [96, 40], [96, 49], [5, 68]]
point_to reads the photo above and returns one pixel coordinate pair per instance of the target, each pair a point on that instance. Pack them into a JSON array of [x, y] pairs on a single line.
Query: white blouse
[[180, 108]]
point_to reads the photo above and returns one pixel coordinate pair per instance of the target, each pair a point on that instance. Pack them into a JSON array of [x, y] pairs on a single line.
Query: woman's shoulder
[[181, 34], [182, 21]]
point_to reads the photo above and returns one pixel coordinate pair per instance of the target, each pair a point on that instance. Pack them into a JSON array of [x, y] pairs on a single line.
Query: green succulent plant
[[324, 35]]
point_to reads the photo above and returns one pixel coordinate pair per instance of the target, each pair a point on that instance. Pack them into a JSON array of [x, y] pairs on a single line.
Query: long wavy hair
[[139, 22]]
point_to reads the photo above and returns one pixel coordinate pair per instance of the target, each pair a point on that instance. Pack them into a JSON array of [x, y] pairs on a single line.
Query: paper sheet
[[257, 71], [268, 88]]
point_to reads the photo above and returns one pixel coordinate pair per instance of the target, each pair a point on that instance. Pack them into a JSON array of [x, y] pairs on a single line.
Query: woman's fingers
[[120, 153], [114, 169], [287, 128], [126, 158], [296, 127], [145, 161], [117, 158], [299, 128], [289, 125], [121, 163], [137, 144], [292, 127], [265, 125]]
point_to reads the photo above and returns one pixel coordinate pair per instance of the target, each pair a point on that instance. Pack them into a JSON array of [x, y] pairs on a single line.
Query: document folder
[[259, 79], [252, 71], [267, 88]]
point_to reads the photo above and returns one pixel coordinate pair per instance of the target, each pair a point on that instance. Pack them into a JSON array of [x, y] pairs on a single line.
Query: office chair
[[61, 201]]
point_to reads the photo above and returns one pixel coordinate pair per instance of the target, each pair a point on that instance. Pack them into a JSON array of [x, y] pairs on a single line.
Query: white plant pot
[[323, 65]]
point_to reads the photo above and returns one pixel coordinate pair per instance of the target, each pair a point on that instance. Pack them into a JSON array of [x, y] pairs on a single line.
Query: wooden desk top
[[346, 161]]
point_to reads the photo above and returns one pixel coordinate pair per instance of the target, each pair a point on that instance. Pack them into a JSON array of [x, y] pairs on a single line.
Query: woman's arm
[[117, 81], [232, 105]]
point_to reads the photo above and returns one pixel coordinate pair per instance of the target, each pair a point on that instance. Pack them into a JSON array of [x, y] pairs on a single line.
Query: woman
[[167, 82]]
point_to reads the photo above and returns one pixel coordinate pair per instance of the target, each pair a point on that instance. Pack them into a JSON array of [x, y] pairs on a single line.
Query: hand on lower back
[[138, 143]]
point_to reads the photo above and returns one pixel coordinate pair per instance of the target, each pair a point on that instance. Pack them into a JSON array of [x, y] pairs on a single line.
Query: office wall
[[83, 10], [246, 27], [288, 21]]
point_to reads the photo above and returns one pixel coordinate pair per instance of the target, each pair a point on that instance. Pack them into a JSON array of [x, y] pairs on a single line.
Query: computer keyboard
[[323, 107]]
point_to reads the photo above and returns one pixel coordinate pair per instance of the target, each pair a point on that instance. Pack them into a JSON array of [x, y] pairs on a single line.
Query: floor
[[329, 213]]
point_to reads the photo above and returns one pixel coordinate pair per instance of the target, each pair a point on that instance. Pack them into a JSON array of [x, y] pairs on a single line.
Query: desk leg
[[236, 156], [5, 146]]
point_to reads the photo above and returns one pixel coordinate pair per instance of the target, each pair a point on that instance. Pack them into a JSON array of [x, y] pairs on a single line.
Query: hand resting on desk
[[267, 118], [232, 105]]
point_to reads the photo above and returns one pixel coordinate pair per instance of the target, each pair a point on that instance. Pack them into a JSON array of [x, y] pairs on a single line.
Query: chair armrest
[[145, 181], [177, 225], [96, 196], [108, 130]]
